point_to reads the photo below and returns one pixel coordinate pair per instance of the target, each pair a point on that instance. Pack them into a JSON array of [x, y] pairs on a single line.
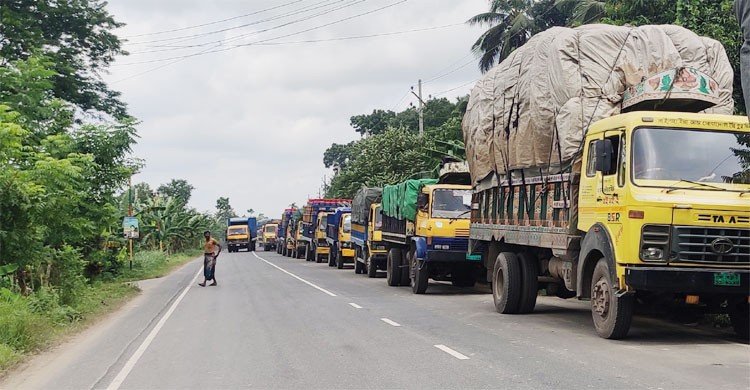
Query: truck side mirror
[[422, 200], [603, 152]]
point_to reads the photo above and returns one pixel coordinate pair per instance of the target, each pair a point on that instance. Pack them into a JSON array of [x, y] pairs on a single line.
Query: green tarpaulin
[[400, 200]]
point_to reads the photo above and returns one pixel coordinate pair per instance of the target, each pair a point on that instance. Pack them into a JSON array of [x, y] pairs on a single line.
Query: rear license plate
[[727, 279]]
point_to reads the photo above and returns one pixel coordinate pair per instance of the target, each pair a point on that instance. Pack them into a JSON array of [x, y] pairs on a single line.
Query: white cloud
[[252, 123]]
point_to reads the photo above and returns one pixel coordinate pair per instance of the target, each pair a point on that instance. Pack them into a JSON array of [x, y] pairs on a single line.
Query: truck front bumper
[[445, 256], [689, 280], [347, 252], [323, 250]]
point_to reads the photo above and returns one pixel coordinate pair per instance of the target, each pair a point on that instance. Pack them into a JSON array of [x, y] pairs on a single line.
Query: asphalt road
[[275, 322]]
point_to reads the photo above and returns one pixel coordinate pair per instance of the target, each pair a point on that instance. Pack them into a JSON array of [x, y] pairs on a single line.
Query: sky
[[245, 108]]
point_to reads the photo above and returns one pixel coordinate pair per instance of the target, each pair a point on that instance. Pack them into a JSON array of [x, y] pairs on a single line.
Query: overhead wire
[[209, 51], [214, 22]]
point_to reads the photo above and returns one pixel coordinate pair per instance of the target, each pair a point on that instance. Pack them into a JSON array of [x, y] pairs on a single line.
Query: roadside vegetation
[[65, 164]]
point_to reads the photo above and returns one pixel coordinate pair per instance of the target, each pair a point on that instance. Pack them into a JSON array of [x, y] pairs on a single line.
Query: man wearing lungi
[[209, 259]]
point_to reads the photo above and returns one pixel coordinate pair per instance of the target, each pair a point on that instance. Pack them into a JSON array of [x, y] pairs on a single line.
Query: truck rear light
[[692, 299]]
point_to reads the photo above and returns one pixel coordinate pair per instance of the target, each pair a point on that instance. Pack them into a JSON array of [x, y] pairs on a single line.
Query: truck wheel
[[419, 273], [318, 258], [339, 260], [612, 314], [506, 283], [529, 283], [331, 261], [358, 265], [372, 270], [740, 319], [461, 276], [393, 268]]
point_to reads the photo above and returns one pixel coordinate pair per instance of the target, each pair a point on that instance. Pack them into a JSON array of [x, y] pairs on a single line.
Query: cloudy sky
[[245, 108]]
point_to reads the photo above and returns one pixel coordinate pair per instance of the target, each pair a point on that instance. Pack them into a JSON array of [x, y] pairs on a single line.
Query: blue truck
[[339, 237], [241, 234], [281, 235], [312, 244]]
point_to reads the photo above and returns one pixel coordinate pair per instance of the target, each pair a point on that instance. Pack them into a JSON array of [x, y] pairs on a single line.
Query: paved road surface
[[275, 322]]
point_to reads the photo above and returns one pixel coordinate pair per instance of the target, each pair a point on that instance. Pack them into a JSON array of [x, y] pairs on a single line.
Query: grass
[[31, 323]]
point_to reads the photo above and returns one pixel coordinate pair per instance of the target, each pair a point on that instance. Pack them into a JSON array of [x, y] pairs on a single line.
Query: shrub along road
[[274, 322]]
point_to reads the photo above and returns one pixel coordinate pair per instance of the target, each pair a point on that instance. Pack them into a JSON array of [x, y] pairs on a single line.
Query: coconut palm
[[582, 11], [511, 24]]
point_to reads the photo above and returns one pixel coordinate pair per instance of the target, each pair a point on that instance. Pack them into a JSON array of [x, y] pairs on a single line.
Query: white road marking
[[354, 305], [125, 371], [390, 322], [294, 276], [455, 354]]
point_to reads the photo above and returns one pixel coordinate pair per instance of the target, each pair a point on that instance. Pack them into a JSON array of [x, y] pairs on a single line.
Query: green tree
[[224, 210], [510, 25], [338, 155], [179, 189], [76, 35], [371, 124]]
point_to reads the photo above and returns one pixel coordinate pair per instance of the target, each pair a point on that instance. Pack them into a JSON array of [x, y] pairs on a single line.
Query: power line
[[183, 38], [178, 59], [215, 22], [242, 36]]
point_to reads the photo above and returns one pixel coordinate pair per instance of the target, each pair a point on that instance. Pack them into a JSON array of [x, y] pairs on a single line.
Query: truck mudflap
[[689, 280]]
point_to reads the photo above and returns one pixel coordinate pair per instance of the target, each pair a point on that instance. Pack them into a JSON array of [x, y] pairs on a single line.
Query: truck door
[[603, 181]]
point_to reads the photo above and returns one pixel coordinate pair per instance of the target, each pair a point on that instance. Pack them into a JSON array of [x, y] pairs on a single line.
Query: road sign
[[130, 227]]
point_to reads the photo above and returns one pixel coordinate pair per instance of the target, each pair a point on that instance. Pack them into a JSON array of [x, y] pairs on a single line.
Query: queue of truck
[[628, 186]]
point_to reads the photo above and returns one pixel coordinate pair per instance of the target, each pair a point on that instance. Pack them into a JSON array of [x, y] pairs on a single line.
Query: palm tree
[[511, 24], [582, 11]]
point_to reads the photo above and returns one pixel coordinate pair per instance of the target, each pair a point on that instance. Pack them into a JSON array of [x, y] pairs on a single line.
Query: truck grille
[[462, 232], [711, 245]]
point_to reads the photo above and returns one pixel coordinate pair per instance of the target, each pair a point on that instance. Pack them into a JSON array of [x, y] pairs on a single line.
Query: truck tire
[[740, 317], [529, 283], [372, 269], [506, 283], [318, 258], [612, 314], [393, 268], [339, 260], [419, 274], [331, 256], [358, 266], [461, 276]]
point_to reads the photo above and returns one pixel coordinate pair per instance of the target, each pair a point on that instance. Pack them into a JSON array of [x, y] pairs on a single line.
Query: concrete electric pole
[[421, 106]]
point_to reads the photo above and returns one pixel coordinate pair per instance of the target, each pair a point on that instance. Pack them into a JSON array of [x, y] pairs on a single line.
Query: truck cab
[[442, 237], [665, 206], [299, 243], [376, 252], [238, 237], [321, 247], [269, 236], [338, 236]]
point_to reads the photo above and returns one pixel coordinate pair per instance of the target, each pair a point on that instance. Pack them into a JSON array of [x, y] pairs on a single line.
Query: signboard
[[130, 227]]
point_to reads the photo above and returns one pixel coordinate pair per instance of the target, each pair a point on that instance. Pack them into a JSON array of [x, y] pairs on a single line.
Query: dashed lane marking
[[354, 305], [294, 276], [390, 322], [455, 354]]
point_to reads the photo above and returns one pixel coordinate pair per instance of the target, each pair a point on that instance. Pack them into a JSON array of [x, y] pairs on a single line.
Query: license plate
[[727, 279], [472, 257]]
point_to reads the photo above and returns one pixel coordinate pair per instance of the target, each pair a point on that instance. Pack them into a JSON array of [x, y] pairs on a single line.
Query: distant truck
[[367, 221], [609, 197], [312, 244], [338, 236], [269, 232], [426, 231], [241, 234], [281, 234]]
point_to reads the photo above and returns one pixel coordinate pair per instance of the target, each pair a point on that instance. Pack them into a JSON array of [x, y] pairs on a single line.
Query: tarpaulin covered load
[[364, 198], [531, 111], [400, 200]]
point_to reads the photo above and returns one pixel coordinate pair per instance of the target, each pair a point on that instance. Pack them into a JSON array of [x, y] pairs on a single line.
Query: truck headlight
[[654, 242]]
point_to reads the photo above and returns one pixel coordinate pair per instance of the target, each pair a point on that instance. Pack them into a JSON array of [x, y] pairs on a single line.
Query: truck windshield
[[237, 230], [378, 218], [684, 156], [270, 229], [447, 203], [347, 223]]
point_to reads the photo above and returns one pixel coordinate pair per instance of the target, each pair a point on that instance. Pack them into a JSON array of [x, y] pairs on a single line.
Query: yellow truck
[[426, 230], [322, 250], [367, 235], [269, 236], [339, 237], [633, 202]]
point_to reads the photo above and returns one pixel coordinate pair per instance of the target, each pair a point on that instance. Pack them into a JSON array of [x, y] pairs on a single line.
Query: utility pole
[[421, 106], [130, 214]]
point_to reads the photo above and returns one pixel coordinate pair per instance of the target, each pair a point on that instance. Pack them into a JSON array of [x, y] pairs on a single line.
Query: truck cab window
[[591, 162], [614, 156]]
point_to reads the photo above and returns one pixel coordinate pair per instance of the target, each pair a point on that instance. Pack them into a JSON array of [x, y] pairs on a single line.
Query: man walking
[[742, 8], [209, 259]]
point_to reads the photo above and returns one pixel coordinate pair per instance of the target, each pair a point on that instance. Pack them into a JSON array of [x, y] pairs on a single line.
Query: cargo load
[[400, 200], [532, 110], [364, 198]]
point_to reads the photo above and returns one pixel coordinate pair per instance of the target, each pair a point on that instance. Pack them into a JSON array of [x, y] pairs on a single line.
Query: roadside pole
[[130, 214], [421, 106]]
